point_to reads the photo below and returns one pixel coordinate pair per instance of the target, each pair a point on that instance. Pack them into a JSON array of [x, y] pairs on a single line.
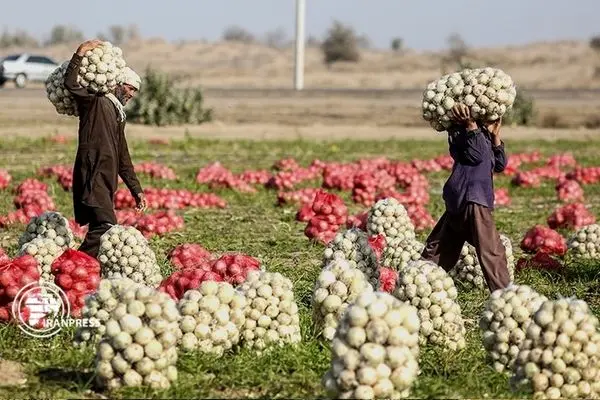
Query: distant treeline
[[340, 43]]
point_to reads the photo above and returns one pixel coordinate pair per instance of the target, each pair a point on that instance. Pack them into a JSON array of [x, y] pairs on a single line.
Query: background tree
[[340, 44], [19, 38], [237, 34], [63, 34], [397, 44]]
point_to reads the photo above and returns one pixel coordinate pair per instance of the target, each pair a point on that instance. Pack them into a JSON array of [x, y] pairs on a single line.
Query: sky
[[423, 25]]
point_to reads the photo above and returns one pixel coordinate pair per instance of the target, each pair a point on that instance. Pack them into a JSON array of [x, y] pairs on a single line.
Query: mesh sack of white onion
[[399, 252], [504, 322], [62, 100], [560, 355], [431, 290], [375, 350], [271, 311], [488, 92], [139, 346], [45, 251], [389, 217], [510, 255], [102, 68], [585, 243], [49, 225], [468, 270], [97, 309], [338, 285], [353, 246], [212, 317], [125, 253]]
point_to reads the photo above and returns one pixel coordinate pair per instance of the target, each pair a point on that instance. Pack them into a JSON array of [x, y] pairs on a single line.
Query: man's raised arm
[[73, 69]]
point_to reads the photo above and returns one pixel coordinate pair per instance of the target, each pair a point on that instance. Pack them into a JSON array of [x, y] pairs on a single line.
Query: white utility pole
[[299, 63]]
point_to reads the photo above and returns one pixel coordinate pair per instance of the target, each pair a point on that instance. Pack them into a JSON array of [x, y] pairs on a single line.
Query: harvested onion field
[[255, 224]]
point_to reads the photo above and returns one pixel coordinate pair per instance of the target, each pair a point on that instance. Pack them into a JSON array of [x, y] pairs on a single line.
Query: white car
[[22, 68]]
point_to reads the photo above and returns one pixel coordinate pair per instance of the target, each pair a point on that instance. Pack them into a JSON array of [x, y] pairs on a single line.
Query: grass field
[[254, 224]]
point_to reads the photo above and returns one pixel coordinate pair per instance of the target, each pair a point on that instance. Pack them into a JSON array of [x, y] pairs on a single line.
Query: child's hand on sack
[[494, 130], [461, 115]]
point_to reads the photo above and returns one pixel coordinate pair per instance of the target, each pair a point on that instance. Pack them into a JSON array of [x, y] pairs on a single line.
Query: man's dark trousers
[[101, 221]]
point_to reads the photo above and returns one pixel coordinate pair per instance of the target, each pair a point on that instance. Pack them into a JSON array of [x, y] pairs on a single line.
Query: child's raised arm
[[470, 143], [497, 146], [499, 158]]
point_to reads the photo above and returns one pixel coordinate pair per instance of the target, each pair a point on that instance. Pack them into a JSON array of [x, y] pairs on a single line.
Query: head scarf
[[128, 77], [131, 78], [118, 106]]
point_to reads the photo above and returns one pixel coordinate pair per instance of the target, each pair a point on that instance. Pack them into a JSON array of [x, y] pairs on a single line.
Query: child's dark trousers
[[474, 225]]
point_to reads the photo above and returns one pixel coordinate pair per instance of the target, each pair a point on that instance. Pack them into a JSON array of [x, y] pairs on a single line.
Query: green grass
[[255, 225]]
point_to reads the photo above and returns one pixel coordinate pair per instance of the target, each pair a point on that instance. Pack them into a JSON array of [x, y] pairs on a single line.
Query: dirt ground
[[255, 115], [11, 373], [263, 131]]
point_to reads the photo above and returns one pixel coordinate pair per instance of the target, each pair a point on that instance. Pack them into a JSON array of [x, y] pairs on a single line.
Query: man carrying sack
[[102, 153]]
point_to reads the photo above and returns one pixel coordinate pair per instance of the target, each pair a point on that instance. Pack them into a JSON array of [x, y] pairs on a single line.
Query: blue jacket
[[475, 160]]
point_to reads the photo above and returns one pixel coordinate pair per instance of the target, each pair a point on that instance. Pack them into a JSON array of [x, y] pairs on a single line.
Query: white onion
[[62, 100], [49, 225], [488, 92], [431, 290], [398, 253], [338, 285], [505, 322], [97, 62], [125, 253], [559, 357], [390, 218], [468, 270], [585, 243], [212, 317], [375, 349], [353, 246], [139, 348], [271, 311]]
